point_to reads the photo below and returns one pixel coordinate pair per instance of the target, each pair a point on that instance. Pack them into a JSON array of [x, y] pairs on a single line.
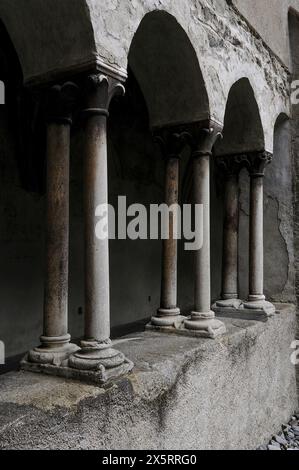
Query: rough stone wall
[[225, 46], [270, 19], [295, 153], [184, 393], [294, 56]]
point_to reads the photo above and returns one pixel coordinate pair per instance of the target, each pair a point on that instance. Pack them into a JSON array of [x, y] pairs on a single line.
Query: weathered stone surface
[[213, 26], [273, 26], [170, 397], [107, 28]]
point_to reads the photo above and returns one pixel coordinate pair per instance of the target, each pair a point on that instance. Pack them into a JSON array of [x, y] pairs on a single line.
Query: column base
[[53, 350], [229, 307], [167, 318], [228, 303], [205, 325], [99, 362], [90, 365], [256, 304]]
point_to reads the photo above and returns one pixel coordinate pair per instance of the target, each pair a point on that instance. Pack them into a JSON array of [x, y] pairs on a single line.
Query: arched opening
[[243, 130], [242, 133], [59, 37], [166, 67], [135, 169], [164, 88]]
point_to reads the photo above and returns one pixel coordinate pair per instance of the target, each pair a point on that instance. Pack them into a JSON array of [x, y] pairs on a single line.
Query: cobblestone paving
[[287, 438]]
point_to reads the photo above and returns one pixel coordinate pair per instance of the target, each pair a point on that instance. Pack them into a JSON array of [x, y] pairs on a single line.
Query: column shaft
[[256, 252], [97, 296], [256, 299], [230, 239], [202, 320], [169, 248], [57, 232], [202, 286], [55, 341], [168, 315]]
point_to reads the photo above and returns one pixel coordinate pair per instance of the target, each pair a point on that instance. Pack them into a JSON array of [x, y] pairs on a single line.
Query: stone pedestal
[[99, 360], [179, 382]]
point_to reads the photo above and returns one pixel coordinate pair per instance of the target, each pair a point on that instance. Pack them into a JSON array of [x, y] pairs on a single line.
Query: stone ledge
[[184, 393], [243, 313]]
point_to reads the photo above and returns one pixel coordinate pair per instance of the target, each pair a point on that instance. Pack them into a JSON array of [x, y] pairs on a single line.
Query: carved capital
[[231, 165], [257, 163], [100, 89], [203, 140], [60, 102], [172, 143]]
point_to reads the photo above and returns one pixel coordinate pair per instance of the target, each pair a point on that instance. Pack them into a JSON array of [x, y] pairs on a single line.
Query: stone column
[[96, 352], [257, 163], [55, 342], [229, 167], [168, 315], [202, 318]]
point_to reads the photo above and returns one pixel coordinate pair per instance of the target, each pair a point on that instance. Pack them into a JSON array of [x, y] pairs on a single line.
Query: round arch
[[281, 136], [166, 67], [243, 130], [44, 44]]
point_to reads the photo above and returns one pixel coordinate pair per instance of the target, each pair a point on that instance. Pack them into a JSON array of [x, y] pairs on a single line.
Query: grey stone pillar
[[96, 352], [229, 168], [202, 318], [256, 299], [55, 342], [168, 315]]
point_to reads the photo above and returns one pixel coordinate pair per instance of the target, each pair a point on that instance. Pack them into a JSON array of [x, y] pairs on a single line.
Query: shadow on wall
[[279, 228], [278, 221], [21, 212], [294, 41], [136, 170], [243, 133]]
